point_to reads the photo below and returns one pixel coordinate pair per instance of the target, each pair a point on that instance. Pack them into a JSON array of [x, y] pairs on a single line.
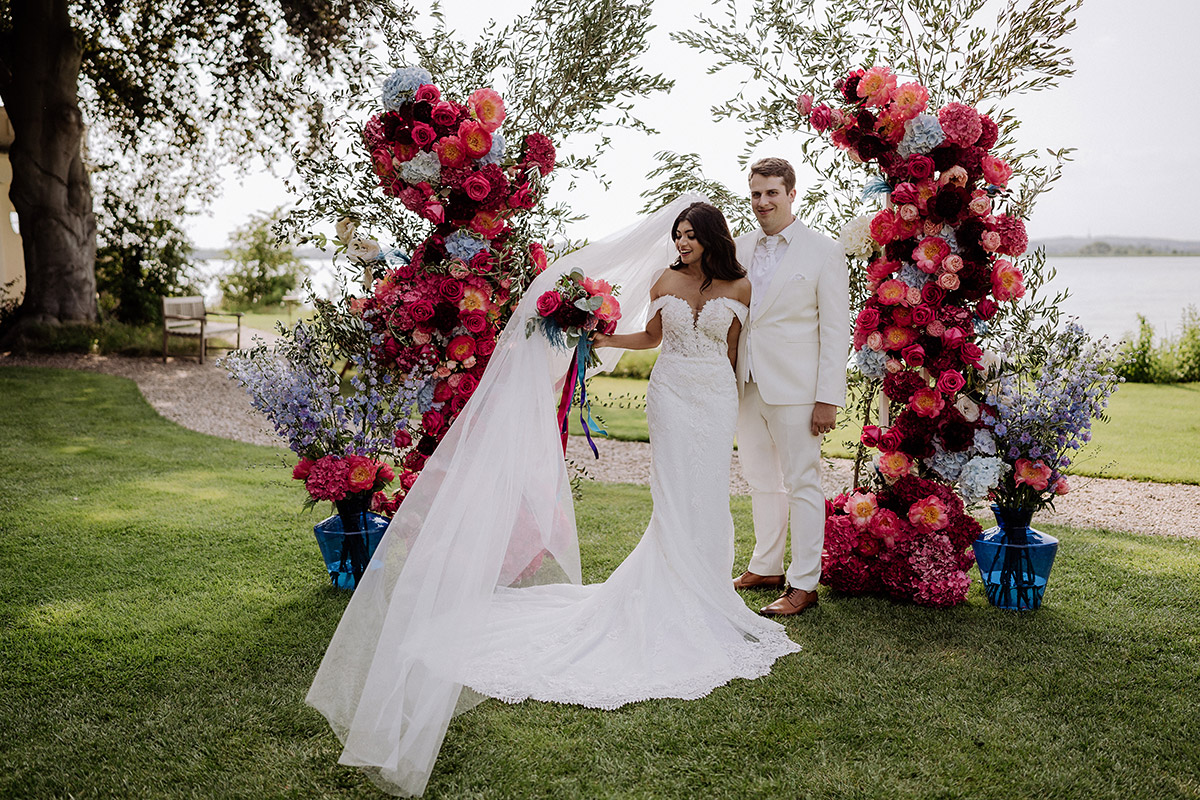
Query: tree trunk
[[51, 188]]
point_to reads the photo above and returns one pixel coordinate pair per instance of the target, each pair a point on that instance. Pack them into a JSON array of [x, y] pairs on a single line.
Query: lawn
[[164, 609], [1151, 434]]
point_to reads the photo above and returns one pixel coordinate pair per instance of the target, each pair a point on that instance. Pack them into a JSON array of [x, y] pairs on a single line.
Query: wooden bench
[[186, 316]]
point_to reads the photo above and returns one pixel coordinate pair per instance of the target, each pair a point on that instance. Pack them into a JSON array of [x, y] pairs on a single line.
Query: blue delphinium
[[401, 86], [921, 134]]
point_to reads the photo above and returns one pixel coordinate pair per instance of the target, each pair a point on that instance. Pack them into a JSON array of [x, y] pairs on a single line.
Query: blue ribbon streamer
[[582, 354]]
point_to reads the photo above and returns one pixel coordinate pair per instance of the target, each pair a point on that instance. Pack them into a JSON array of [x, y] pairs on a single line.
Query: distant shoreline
[[1153, 254]]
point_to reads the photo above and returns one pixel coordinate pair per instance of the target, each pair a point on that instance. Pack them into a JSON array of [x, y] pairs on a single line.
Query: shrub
[[636, 364], [263, 270]]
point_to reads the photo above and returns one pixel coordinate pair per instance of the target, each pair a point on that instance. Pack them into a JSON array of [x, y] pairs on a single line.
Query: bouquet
[[1040, 410], [576, 306]]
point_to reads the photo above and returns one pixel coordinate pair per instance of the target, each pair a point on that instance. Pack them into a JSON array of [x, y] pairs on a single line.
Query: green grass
[[264, 319], [164, 609], [1151, 435]]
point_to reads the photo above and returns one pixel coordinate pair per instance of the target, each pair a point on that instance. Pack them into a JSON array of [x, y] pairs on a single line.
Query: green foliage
[[635, 364], [1174, 359], [109, 337], [680, 173], [147, 566], [140, 259], [264, 268], [569, 70]]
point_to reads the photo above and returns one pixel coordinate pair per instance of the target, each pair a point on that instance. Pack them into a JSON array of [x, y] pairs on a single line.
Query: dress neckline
[[696, 312]]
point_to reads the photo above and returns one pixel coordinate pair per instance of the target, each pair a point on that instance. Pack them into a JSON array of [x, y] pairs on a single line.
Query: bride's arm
[[644, 340]]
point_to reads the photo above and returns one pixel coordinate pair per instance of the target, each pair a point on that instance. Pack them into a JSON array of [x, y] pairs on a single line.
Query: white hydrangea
[[424, 166], [855, 237], [979, 476]]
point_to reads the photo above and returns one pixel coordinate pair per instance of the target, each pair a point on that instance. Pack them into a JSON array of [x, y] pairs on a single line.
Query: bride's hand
[[599, 339]]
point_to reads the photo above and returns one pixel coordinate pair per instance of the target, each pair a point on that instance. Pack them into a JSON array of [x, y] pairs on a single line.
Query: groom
[[791, 373]]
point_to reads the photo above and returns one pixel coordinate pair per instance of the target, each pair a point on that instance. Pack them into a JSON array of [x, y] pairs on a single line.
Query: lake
[[1106, 294]]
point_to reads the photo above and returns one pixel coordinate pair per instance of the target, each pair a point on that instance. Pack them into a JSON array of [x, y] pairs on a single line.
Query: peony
[[609, 310], [956, 175], [927, 403], [861, 506], [360, 476], [930, 252], [488, 224], [548, 303], [1008, 282], [885, 226], [995, 170], [897, 337], [302, 469], [537, 257], [1061, 486], [460, 348], [892, 292], [488, 108], [929, 514], [910, 99], [450, 151], [894, 464], [876, 86], [1034, 474], [960, 123], [475, 138]]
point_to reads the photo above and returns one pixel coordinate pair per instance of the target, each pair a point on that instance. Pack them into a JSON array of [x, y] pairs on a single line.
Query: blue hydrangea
[[423, 167], [921, 134], [985, 443], [912, 276], [870, 362], [463, 245], [947, 464], [401, 86], [979, 476], [496, 154], [950, 237]]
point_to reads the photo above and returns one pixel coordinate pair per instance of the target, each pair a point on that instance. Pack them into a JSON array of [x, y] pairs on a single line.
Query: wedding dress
[[475, 589]]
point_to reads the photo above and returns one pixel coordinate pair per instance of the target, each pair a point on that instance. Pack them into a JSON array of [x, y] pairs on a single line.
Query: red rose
[[432, 421], [914, 355], [467, 386], [451, 289], [482, 262], [870, 435], [484, 347], [477, 187], [421, 310], [302, 469], [548, 303], [423, 135], [890, 440], [972, 353], [932, 294], [434, 212], [820, 118], [953, 338], [445, 114], [922, 315], [920, 167], [402, 439], [868, 319], [385, 474], [905, 194], [950, 381], [987, 308], [442, 392], [407, 480], [415, 460], [474, 321], [523, 197], [429, 93]]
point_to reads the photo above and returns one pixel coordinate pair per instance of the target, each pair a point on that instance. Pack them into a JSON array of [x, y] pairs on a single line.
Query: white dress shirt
[[768, 255]]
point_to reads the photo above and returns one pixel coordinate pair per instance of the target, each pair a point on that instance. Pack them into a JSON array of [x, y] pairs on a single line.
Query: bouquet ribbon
[[576, 376]]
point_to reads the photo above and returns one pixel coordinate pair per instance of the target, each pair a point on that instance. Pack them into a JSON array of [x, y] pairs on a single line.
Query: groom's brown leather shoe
[[793, 601], [749, 580]]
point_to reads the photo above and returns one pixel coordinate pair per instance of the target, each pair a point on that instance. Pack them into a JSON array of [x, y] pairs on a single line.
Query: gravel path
[[204, 399]]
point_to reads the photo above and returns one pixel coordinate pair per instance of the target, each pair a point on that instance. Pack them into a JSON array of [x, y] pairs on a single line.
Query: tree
[[263, 270], [198, 80]]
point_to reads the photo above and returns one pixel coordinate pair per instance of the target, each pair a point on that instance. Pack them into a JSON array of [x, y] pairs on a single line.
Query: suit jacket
[[798, 335]]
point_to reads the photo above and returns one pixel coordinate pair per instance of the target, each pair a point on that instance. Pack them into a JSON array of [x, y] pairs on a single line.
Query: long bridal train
[[477, 582]]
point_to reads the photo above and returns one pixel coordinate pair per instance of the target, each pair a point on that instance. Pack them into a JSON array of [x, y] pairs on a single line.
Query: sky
[[1130, 111]]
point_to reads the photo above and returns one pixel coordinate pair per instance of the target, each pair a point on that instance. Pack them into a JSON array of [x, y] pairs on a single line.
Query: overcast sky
[[1131, 111]]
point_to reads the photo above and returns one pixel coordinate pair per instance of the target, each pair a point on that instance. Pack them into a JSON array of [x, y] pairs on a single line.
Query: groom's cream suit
[[791, 355]]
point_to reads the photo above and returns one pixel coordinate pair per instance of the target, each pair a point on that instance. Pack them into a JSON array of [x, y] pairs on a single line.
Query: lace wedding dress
[[438, 622], [667, 622]]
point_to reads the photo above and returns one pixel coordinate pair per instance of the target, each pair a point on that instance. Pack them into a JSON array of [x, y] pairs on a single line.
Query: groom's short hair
[[775, 168]]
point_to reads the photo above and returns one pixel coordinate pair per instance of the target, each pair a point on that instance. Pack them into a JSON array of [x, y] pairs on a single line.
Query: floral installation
[[437, 315], [937, 272], [566, 315], [1040, 410]]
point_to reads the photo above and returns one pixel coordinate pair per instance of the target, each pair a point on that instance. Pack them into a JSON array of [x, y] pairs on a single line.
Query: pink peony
[[892, 292], [910, 99], [896, 337], [460, 348], [886, 226], [995, 170], [930, 253], [956, 176], [477, 141], [886, 526], [488, 108], [894, 464], [927, 403], [1008, 282], [609, 310], [360, 474], [450, 151], [929, 514], [960, 123], [861, 506], [876, 86], [537, 257], [1061, 486], [1034, 474]]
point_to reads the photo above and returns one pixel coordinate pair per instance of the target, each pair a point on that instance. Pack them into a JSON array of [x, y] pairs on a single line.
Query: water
[[1107, 294]]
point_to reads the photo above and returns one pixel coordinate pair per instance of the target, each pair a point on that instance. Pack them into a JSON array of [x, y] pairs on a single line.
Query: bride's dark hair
[[719, 259]]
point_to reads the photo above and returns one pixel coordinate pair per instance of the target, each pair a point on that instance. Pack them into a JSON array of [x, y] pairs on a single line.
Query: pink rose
[[548, 303], [423, 135], [445, 114], [868, 319], [477, 187], [914, 355], [922, 315], [434, 212], [980, 206], [428, 93], [474, 321], [948, 281], [950, 381], [920, 167], [990, 241], [952, 263], [1061, 486], [909, 212], [804, 104], [905, 194], [870, 435], [421, 310], [821, 118], [875, 341]]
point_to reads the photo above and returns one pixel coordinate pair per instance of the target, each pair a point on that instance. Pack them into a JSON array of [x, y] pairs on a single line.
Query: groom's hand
[[824, 418]]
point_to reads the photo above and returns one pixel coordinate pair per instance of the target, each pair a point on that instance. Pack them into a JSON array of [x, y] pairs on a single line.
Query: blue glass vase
[[348, 540], [1014, 560]]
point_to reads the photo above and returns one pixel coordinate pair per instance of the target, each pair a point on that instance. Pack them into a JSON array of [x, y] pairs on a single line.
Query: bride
[[475, 590]]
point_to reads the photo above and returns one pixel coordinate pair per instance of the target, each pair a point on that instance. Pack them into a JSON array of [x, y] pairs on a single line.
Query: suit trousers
[[781, 460]]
